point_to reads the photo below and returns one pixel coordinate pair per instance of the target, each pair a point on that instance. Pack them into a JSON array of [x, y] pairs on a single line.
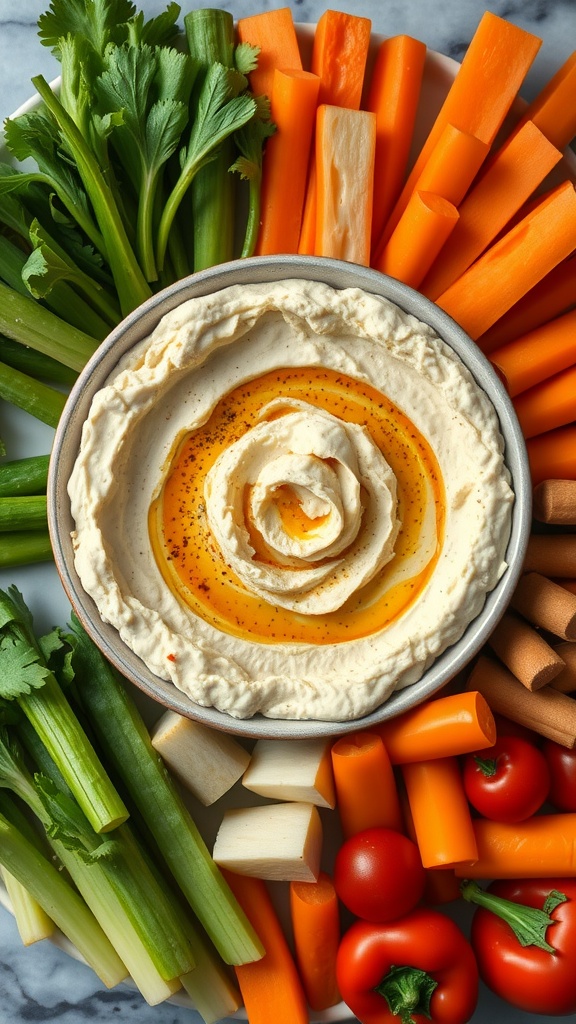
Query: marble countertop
[[43, 983]]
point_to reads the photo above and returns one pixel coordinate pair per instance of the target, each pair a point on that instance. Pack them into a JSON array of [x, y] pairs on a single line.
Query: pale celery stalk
[[32, 921]]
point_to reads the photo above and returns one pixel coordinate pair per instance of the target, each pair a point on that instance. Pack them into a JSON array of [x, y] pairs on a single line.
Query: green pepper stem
[[408, 991], [529, 924]]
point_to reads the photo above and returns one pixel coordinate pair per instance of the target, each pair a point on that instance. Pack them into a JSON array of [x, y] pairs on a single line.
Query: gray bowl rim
[[137, 326]]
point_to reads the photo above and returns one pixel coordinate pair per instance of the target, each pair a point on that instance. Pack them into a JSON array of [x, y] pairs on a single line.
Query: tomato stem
[[529, 924], [486, 765], [407, 990]]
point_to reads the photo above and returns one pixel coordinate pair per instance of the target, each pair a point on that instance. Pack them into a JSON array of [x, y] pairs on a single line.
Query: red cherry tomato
[[508, 781], [562, 764], [378, 874]]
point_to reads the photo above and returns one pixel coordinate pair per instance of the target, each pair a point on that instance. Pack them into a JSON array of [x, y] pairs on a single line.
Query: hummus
[[290, 500]]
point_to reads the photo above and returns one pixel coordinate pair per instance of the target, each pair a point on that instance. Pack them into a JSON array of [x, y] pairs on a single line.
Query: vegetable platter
[[23, 437]]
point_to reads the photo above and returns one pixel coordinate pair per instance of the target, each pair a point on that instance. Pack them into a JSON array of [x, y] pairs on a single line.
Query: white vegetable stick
[[278, 842], [292, 770], [206, 761]]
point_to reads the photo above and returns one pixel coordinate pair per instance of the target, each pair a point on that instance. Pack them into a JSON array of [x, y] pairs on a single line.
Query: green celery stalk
[[28, 512], [24, 476], [34, 397], [23, 319], [25, 547], [126, 743], [35, 364]]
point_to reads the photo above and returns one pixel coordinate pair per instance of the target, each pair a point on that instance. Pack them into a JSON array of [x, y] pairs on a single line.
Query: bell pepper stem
[[529, 924], [407, 990]]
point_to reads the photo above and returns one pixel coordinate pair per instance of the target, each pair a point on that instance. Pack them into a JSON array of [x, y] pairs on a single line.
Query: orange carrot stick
[[544, 846], [443, 727], [515, 263], [285, 166], [315, 918], [548, 405], [487, 82], [417, 238], [440, 812], [393, 96], [271, 987], [274, 33], [554, 109], [553, 295], [536, 356], [339, 55], [441, 884], [553, 455], [345, 143], [518, 168], [366, 793]]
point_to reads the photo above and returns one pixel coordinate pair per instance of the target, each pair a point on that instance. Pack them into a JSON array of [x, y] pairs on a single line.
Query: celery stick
[[32, 921], [125, 740], [26, 547], [34, 397], [23, 319], [23, 513], [24, 476], [35, 364]]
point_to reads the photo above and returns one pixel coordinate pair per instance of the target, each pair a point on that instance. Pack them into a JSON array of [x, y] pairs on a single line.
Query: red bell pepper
[[416, 969]]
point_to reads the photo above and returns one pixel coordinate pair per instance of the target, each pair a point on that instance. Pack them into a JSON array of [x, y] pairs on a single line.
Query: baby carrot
[[366, 793], [553, 454], [549, 404], [393, 96], [417, 238], [271, 987], [538, 355], [315, 919], [440, 812], [274, 33], [543, 846], [285, 167], [449, 725]]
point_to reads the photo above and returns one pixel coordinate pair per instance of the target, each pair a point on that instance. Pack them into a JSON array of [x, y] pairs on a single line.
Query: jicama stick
[[271, 988], [422, 230], [554, 502], [449, 725], [345, 141], [548, 405], [490, 75], [565, 682], [546, 604], [543, 846], [440, 812], [357, 760], [515, 263], [285, 169], [518, 168], [551, 554], [553, 295], [553, 454], [315, 919], [537, 356], [553, 110], [525, 652], [393, 97], [547, 711], [274, 33]]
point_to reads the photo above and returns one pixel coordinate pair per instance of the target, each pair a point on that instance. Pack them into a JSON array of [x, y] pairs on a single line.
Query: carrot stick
[[271, 988], [551, 554], [274, 33], [554, 502], [548, 405], [285, 167], [518, 168], [358, 760], [543, 846], [345, 142], [515, 263], [553, 295], [553, 454], [538, 355], [393, 96], [487, 82], [443, 727], [418, 237], [314, 914], [441, 885], [440, 812], [554, 109]]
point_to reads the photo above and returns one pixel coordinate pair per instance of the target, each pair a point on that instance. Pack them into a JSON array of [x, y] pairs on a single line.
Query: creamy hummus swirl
[[341, 480]]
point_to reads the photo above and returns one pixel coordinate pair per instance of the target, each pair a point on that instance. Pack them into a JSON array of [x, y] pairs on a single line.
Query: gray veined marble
[[43, 984]]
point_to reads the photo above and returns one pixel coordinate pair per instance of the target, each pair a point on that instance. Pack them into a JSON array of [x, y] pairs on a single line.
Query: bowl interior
[[138, 326]]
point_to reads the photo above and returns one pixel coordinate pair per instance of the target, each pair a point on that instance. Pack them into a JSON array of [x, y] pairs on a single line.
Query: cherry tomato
[[508, 781], [562, 764], [378, 874]]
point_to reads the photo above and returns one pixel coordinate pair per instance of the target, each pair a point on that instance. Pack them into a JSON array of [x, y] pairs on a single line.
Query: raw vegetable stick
[[551, 554], [440, 812], [566, 680], [441, 884], [553, 454], [488, 80], [24, 476], [515, 263], [422, 230], [525, 652], [274, 33], [548, 405], [271, 987], [553, 110], [366, 793], [449, 725], [518, 168], [285, 168], [547, 711], [543, 846], [546, 605], [393, 96], [24, 512], [25, 547], [537, 356], [339, 54], [345, 142], [315, 919], [554, 502]]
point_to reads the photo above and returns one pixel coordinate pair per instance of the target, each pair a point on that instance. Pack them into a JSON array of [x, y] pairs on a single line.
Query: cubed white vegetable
[[206, 761], [278, 842], [292, 770]]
